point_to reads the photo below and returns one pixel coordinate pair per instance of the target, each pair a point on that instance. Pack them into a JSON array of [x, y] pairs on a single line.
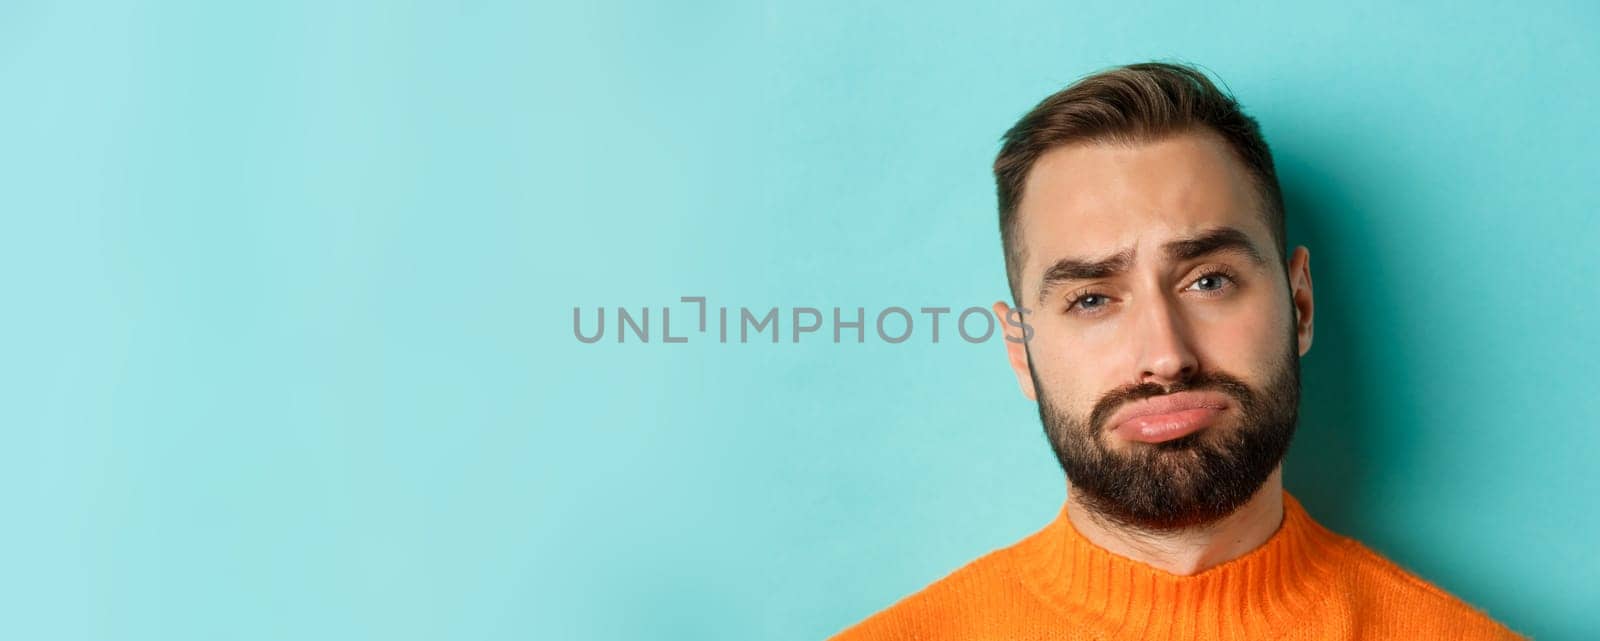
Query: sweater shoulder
[[951, 607], [1399, 599]]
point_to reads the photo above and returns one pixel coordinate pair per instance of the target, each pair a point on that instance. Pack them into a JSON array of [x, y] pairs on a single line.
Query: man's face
[[1166, 338]]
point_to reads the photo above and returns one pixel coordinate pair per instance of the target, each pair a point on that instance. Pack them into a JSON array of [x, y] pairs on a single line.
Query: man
[[1143, 229]]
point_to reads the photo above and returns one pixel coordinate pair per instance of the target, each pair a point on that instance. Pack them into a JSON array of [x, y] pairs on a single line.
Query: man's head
[[1144, 239]]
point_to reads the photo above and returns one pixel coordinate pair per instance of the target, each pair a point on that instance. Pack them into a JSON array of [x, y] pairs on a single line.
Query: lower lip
[[1156, 428]]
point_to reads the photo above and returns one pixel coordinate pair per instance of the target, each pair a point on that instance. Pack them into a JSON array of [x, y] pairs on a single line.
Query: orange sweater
[[1305, 582]]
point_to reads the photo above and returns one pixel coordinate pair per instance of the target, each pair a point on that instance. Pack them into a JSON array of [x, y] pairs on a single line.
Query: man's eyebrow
[[1071, 269], [1218, 239], [1230, 239]]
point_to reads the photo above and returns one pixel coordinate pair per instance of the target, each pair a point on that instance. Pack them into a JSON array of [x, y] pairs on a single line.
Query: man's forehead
[[1089, 200]]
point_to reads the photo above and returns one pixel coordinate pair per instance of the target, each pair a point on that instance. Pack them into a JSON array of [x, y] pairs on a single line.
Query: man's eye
[[1219, 279], [1087, 302]]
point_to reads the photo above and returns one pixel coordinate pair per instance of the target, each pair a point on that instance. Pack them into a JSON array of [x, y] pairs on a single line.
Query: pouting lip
[[1167, 404]]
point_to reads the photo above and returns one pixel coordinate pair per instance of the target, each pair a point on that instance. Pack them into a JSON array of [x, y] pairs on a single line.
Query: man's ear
[[1300, 296], [1016, 333]]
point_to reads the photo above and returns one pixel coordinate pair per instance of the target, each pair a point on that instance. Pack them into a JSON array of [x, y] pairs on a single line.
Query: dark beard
[[1186, 482]]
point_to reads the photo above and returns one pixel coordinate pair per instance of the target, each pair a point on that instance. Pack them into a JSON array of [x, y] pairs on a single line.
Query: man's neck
[[1191, 551]]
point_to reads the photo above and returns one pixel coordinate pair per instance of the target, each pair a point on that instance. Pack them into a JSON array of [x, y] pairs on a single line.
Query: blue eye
[[1082, 302], [1214, 276]]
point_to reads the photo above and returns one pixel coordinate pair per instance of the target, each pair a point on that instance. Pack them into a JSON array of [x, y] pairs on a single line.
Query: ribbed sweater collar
[[1251, 597]]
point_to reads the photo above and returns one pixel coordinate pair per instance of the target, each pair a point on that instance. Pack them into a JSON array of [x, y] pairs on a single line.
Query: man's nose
[[1162, 342]]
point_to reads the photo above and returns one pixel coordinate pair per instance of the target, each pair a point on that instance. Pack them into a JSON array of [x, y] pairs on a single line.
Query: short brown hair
[[1134, 103]]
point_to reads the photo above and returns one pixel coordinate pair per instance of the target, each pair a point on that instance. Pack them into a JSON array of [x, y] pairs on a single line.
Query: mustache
[[1208, 381]]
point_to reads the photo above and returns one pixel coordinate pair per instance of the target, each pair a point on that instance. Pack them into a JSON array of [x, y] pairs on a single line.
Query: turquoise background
[[289, 288]]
